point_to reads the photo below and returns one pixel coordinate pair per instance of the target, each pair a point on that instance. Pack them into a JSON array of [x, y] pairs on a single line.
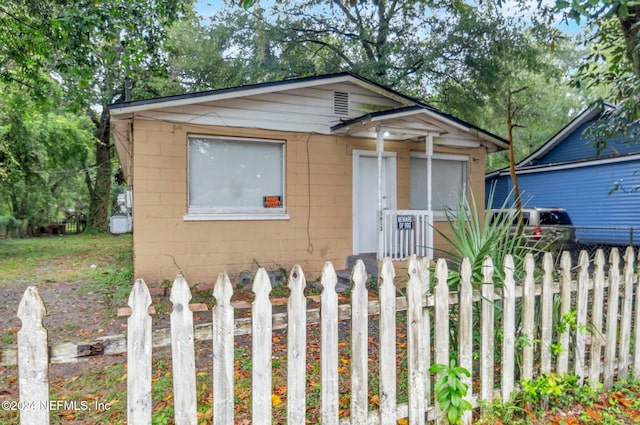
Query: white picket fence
[[604, 305]]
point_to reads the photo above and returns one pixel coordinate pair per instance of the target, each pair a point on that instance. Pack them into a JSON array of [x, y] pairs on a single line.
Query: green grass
[[60, 258], [102, 263]]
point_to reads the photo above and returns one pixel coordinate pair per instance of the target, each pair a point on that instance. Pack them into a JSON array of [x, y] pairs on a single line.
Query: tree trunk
[[512, 164], [512, 159], [100, 188], [631, 31]]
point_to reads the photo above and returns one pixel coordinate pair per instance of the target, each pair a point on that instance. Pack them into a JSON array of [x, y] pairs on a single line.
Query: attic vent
[[341, 103]]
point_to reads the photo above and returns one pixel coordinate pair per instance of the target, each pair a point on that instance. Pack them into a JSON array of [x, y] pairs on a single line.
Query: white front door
[[365, 196]]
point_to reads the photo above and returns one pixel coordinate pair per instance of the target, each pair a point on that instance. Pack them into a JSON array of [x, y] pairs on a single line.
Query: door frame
[[390, 161]]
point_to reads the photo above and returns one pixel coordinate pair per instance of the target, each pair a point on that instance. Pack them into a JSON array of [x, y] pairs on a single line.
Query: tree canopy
[[612, 65], [91, 54]]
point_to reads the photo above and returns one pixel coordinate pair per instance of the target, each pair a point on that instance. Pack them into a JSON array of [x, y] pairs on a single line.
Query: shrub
[[475, 236], [9, 224]]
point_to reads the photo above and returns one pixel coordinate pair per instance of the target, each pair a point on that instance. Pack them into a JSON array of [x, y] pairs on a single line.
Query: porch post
[[429, 152], [379, 150]]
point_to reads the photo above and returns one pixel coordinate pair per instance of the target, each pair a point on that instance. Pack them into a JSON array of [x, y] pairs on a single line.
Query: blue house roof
[[570, 144]]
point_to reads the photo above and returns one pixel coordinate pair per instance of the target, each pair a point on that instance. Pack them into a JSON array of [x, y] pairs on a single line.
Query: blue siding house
[[567, 172]]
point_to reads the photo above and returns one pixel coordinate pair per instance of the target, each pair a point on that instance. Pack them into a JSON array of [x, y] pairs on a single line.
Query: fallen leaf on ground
[[593, 414], [275, 400]]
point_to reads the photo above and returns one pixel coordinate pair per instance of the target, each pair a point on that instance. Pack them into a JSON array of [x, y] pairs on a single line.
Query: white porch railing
[[404, 233]]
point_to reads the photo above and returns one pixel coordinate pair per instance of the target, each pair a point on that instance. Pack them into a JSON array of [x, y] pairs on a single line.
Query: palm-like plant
[[475, 236]]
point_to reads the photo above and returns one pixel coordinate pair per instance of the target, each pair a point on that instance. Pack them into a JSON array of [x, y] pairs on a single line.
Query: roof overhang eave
[[386, 120], [252, 90], [122, 137], [497, 142]]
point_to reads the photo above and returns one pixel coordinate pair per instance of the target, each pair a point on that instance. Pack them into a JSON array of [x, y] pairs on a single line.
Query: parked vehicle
[[546, 228]]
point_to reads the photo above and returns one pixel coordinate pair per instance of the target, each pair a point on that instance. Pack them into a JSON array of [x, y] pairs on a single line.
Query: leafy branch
[[450, 391]]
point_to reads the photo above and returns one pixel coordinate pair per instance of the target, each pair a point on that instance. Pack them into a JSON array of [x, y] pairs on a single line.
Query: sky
[[206, 8]]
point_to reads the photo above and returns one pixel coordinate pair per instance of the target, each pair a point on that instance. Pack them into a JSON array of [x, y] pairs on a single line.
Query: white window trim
[[440, 215], [445, 156], [191, 216], [238, 214]]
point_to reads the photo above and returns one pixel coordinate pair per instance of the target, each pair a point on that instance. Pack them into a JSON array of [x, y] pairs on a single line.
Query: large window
[[235, 178], [449, 181]]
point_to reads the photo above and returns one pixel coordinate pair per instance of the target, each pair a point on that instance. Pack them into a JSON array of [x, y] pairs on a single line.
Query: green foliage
[[544, 386], [450, 391], [8, 224], [92, 51], [45, 149], [378, 40], [471, 234], [555, 390], [513, 64], [613, 64], [574, 404], [621, 39], [198, 54]]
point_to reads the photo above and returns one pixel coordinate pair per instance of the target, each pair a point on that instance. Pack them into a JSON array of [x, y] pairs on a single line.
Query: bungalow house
[[300, 171], [598, 189]]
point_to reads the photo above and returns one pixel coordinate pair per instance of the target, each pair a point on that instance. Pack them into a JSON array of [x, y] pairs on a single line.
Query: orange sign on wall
[[271, 202]]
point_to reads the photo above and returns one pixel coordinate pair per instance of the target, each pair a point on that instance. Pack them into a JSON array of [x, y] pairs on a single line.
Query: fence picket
[[223, 324], [565, 307], [636, 333], [387, 329], [581, 317], [487, 322], [33, 359], [139, 403], [597, 304], [425, 278], [359, 345], [441, 323], [612, 318], [329, 345], [296, 348], [508, 329], [625, 320], [546, 319], [465, 329], [415, 364], [262, 351], [183, 354], [528, 314]]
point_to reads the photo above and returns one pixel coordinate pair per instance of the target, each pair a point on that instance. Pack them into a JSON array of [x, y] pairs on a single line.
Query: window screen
[[234, 175], [449, 179]]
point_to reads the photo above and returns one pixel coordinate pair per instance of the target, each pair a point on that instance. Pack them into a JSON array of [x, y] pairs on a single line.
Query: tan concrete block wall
[[318, 202]]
